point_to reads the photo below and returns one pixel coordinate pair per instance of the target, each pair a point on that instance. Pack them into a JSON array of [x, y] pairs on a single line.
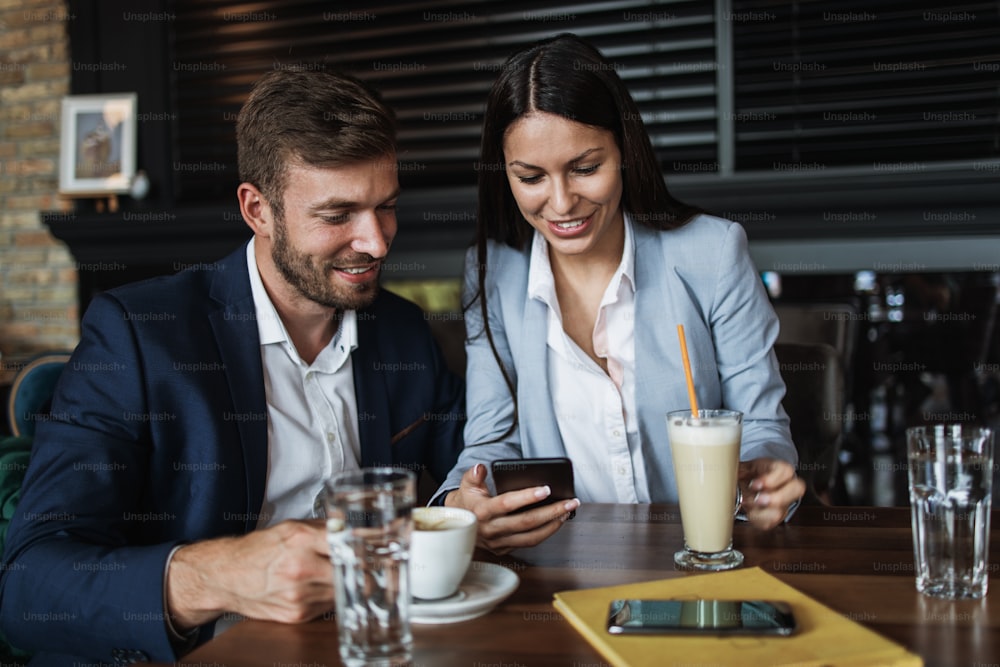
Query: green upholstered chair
[[31, 393], [14, 454], [29, 401]]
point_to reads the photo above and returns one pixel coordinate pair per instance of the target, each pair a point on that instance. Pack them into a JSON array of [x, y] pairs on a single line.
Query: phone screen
[[747, 617], [516, 474]]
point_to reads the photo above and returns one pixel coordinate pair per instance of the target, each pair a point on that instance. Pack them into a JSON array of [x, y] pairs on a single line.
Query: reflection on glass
[[687, 616]]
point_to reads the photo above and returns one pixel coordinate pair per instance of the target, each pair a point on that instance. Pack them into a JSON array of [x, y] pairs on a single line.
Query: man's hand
[[769, 487], [282, 573], [499, 530]]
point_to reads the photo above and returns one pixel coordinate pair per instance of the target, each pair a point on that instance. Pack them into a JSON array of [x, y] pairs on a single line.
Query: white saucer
[[485, 586]]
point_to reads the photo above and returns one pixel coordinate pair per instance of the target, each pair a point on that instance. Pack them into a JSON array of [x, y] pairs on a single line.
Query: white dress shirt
[[312, 411], [312, 418], [596, 411]]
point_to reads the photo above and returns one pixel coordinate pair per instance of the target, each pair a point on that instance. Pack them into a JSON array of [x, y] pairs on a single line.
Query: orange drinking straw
[[692, 396]]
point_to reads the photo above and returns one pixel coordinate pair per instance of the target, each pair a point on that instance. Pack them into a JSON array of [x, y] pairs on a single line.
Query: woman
[[584, 265]]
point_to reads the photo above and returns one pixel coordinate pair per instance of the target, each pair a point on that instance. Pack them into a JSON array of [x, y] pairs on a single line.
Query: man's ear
[[255, 209]]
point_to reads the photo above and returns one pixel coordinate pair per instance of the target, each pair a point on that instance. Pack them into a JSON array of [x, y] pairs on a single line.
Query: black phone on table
[[696, 617], [516, 474]]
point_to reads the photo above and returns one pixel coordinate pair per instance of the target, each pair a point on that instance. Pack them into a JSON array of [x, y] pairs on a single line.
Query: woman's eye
[[587, 170], [529, 179]]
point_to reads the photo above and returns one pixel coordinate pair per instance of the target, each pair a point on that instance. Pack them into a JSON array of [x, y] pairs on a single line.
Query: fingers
[[471, 489], [291, 571], [281, 573], [307, 535], [526, 529], [475, 477], [316, 537], [770, 488], [501, 526], [506, 542], [512, 501], [473, 494], [765, 473]]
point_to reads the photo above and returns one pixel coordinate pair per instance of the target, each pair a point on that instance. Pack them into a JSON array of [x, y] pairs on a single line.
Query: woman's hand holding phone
[[501, 527]]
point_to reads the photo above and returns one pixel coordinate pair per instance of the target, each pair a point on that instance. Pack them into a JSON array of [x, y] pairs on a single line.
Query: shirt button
[[616, 433], [621, 470], [330, 437]]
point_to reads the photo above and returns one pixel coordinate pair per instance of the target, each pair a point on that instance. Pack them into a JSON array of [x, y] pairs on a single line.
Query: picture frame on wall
[[97, 149]]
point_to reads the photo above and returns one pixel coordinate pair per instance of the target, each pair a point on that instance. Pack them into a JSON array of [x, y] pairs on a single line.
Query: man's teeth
[[363, 269], [569, 225]]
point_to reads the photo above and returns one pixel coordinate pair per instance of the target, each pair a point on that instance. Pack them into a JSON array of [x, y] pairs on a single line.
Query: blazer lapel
[[536, 415], [657, 354], [235, 327], [372, 397]]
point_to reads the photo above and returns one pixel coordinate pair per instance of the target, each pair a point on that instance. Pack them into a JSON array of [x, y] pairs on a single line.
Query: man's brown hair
[[309, 115]]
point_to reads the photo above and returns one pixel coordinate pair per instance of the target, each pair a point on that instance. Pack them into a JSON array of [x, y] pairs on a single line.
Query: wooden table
[[856, 560]]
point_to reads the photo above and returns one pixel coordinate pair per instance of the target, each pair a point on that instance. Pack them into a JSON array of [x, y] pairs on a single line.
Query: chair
[[28, 402], [31, 393], [832, 323], [448, 330], [814, 401]]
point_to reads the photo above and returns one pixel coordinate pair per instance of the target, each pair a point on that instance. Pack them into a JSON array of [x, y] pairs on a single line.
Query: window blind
[[434, 63], [891, 86]]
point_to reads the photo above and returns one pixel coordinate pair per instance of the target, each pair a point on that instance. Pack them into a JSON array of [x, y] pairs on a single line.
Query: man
[[200, 414]]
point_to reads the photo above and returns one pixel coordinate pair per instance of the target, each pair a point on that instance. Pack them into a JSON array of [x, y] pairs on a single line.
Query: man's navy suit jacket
[[158, 437]]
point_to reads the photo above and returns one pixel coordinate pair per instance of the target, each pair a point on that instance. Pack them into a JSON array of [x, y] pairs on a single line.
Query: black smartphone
[[516, 474], [695, 617]]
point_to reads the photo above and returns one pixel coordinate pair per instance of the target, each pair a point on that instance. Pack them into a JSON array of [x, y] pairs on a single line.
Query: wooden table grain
[[856, 560]]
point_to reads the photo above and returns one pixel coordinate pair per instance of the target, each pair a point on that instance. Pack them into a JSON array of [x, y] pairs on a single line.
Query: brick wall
[[37, 273]]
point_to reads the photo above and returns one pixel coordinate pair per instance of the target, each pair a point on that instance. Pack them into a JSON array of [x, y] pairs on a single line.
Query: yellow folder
[[824, 637]]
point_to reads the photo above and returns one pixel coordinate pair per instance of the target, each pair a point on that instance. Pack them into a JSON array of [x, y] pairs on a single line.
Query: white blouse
[[596, 411]]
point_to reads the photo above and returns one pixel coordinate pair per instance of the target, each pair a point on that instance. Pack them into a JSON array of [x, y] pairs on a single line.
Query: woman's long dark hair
[[568, 77]]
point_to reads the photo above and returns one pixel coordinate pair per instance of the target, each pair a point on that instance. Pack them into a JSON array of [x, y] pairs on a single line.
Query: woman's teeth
[[569, 225]]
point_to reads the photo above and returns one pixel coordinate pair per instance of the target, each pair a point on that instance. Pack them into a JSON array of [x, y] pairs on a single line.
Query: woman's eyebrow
[[579, 157]]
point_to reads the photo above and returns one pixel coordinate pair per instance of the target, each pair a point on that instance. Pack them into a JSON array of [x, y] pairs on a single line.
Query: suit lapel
[[536, 414], [657, 354], [372, 395], [235, 328]]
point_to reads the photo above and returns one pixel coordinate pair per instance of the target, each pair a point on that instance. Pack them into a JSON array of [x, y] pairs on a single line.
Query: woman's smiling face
[[566, 179]]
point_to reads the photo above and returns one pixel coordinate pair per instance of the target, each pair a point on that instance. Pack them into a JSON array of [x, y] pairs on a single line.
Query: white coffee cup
[[441, 548]]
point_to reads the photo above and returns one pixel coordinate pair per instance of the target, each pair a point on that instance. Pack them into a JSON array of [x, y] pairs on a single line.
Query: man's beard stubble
[[313, 283]]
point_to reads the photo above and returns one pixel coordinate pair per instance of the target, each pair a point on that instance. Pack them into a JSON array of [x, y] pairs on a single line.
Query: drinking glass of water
[[951, 480], [368, 529]]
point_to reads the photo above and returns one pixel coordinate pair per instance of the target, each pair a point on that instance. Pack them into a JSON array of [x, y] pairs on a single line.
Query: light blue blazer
[[701, 276]]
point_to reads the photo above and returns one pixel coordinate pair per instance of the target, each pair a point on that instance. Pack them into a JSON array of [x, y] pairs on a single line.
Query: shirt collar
[[627, 265], [272, 330], [541, 283]]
